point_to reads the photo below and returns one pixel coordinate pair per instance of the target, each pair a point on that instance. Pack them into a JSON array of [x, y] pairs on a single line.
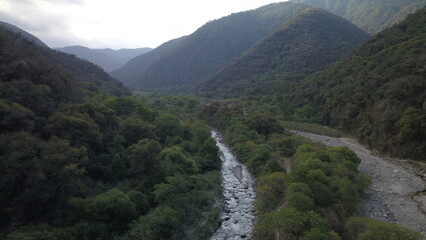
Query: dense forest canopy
[[77, 162], [378, 92], [82, 159], [301, 46], [208, 48], [372, 16]]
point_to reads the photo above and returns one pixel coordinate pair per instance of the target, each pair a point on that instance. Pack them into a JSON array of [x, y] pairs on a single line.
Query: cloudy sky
[[116, 23]]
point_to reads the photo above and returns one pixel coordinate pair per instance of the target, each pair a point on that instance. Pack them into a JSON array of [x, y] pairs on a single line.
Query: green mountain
[[370, 15], [378, 92], [31, 53], [212, 45], [130, 73], [78, 163], [108, 59], [301, 46]]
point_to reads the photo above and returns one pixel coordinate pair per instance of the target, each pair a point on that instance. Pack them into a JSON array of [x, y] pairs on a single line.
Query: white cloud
[[116, 24]]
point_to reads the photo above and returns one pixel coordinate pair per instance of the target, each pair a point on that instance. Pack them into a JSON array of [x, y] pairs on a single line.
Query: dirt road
[[398, 194]]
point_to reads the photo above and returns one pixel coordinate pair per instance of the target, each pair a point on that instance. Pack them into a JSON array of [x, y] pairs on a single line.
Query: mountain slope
[[130, 73], [370, 15], [378, 92], [302, 46], [25, 60], [108, 59], [23, 33], [214, 44]]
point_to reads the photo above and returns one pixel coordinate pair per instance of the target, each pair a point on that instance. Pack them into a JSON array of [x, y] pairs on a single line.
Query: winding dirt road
[[398, 194]]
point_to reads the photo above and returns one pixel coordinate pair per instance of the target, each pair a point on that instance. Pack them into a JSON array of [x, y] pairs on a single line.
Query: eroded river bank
[[398, 194]]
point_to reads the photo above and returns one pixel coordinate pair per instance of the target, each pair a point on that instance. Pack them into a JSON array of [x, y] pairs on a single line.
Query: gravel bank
[[398, 194], [239, 196]]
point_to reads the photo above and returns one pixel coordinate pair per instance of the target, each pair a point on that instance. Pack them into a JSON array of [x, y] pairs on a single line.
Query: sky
[[116, 23]]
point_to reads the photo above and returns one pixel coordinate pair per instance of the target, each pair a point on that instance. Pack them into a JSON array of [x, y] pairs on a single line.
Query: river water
[[238, 211]]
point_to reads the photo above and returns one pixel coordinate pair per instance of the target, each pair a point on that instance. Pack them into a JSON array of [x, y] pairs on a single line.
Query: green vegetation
[[304, 190], [301, 46], [378, 92], [80, 159], [78, 163], [372, 16], [130, 73], [204, 51], [312, 128]]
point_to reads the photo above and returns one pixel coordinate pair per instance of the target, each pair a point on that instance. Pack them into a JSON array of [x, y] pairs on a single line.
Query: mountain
[[213, 44], [301, 46], [370, 15], [130, 73], [378, 92], [23, 33], [108, 59]]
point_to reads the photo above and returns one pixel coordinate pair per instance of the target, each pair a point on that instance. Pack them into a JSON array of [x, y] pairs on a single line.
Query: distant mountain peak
[[108, 59]]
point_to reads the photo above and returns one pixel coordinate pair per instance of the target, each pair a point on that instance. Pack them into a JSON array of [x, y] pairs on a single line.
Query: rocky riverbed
[[238, 211], [398, 194]]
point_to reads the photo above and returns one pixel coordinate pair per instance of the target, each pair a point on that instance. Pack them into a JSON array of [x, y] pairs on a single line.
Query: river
[[238, 195]]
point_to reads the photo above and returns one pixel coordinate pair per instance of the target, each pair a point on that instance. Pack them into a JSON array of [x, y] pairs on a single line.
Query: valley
[[197, 138]]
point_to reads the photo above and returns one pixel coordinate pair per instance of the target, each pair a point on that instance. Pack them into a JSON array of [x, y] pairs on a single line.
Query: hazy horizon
[[135, 24]]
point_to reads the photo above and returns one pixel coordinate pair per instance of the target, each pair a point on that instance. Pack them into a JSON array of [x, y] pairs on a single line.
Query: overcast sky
[[116, 23]]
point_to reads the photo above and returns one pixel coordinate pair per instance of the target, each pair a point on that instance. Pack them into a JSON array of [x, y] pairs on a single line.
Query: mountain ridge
[[215, 43], [370, 15], [301, 46], [23, 33], [130, 73], [106, 58]]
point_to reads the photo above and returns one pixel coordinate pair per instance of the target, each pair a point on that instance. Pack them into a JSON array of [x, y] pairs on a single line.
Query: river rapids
[[238, 211]]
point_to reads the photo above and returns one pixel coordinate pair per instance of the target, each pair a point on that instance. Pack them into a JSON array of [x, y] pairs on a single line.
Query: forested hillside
[[79, 163], [370, 15], [213, 44], [23, 33], [108, 59], [130, 74], [378, 92], [303, 45]]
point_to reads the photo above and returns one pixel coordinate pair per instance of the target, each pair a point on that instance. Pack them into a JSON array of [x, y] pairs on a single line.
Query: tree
[[258, 158], [173, 161], [161, 224], [168, 126], [78, 129], [15, 117], [265, 124], [300, 202], [140, 200], [144, 159], [360, 228], [135, 129], [270, 191], [208, 155], [112, 207], [123, 106]]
